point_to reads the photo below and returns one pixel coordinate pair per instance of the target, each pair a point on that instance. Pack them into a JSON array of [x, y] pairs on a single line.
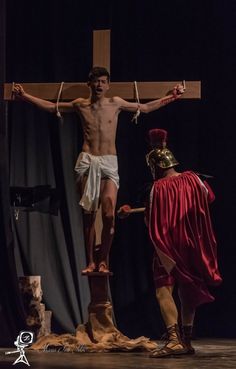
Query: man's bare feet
[[103, 268], [90, 268]]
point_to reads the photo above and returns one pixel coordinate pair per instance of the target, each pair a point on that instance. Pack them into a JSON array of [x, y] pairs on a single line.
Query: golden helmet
[[160, 155]]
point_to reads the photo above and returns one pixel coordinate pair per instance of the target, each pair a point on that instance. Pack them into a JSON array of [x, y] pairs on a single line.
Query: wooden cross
[[126, 90], [101, 57]]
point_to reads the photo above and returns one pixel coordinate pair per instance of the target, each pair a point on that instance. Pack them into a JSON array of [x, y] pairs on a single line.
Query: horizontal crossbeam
[[71, 91]]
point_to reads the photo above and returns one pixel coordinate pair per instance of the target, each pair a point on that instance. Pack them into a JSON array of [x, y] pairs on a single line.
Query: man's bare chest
[[106, 114]]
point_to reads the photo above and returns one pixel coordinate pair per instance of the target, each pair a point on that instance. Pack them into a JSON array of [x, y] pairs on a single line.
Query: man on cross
[[96, 166]]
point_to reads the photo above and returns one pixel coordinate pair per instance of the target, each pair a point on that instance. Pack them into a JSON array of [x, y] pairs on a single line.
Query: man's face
[[99, 86]]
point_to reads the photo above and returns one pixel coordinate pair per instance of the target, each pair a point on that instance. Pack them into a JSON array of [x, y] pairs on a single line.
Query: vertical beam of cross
[[101, 48]]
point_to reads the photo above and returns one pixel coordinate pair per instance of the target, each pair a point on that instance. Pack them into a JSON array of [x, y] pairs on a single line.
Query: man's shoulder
[[115, 99], [80, 102]]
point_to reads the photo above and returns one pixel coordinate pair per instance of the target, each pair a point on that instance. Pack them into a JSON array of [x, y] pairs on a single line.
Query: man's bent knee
[[108, 207], [108, 218]]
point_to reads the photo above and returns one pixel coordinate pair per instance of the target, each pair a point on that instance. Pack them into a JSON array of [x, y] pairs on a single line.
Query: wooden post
[[37, 318]]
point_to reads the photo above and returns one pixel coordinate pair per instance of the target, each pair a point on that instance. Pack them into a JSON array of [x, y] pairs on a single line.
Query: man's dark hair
[[97, 72]]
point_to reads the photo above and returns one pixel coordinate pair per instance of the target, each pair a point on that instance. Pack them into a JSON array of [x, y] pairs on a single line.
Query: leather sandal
[[173, 346], [168, 351]]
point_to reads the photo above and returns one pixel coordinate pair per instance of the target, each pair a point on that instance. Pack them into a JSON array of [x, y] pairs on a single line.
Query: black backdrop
[[51, 41]]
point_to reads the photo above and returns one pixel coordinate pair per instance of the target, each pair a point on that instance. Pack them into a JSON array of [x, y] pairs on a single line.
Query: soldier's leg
[[169, 312], [187, 320]]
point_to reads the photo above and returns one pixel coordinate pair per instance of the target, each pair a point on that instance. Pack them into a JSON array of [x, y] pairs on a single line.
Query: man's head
[[160, 158], [97, 72], [98, 81]]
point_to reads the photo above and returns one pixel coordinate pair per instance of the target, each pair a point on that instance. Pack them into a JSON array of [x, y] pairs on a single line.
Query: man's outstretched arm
[[41, 103], [154, 104]]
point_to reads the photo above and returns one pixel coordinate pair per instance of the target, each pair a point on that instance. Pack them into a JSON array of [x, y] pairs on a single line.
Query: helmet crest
[[160, 156]]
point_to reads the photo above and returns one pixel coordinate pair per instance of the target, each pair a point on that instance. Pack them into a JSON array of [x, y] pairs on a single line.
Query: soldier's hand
[[124, 211]]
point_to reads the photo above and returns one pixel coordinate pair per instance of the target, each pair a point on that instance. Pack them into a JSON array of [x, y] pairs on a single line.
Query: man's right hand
[[18, 90]]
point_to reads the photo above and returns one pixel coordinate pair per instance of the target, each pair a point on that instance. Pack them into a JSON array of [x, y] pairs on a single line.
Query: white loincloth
[[96, 168]]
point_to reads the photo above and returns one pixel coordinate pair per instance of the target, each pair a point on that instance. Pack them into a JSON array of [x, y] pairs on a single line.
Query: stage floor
[[210, 353]]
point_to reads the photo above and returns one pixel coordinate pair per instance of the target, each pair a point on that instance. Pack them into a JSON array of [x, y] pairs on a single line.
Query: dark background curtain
[[51, 41]]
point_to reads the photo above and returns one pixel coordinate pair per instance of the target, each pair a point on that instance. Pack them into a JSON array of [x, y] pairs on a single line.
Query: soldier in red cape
[[181, 231]]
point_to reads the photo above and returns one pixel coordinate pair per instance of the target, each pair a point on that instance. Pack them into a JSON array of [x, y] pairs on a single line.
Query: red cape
[[181, 231]]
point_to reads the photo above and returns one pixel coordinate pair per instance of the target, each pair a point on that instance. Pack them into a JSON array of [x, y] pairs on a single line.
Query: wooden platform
[[210, 353]]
